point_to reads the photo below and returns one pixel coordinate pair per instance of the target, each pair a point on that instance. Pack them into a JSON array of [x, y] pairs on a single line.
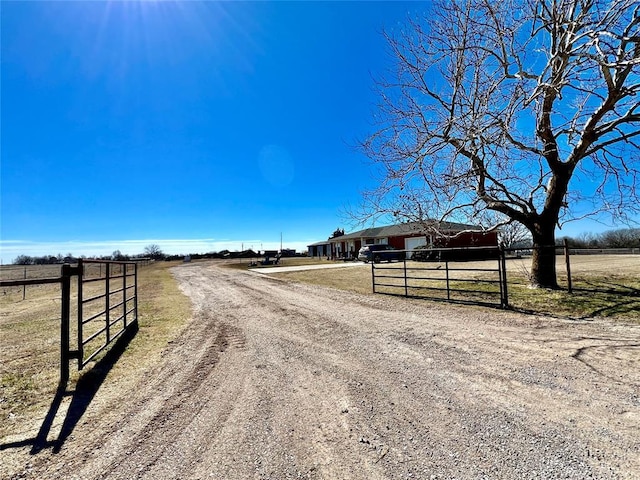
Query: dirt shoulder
[[280, 380]]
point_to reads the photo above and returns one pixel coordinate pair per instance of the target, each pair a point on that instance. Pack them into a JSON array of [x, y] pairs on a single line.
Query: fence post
[[500, 253], [24, 287], [135, 291], [373, 277], [446, 266], [568, 263], [107, 301], [80, 314], [64, 324], [503, 277], [125, 268], [406, 288]]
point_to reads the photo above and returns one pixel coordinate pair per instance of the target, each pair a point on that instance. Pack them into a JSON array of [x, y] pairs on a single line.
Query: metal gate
[[445, 274], [107, 305]]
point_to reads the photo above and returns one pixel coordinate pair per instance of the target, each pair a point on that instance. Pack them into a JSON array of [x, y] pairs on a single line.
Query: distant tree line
[[215, 255], [621, 238], [43, 260], [69, 258], [150, 251], [515, 236], [227, 254]]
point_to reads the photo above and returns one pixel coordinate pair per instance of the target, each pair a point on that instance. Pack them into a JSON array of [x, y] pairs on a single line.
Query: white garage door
[[414, 242]]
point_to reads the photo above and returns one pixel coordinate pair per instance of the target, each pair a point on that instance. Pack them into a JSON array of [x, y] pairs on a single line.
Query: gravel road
[[277, 380]]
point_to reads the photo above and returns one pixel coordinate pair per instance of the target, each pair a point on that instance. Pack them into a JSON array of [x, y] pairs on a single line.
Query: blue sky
[[197, 126], [226, 122]]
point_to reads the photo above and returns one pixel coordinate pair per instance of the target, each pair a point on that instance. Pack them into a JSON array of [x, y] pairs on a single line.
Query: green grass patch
[[595, 296]]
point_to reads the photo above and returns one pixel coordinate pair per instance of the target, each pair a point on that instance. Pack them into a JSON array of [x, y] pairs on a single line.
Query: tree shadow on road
[[85, 390]]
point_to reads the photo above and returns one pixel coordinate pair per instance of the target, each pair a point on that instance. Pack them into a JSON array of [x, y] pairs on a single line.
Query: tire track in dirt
[[177, 414], [159, 413]]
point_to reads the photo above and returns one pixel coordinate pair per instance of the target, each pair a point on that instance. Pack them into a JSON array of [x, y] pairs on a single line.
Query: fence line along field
[[603, 285], [33, 272], [30, 315], [30, 337], [19, 272], [30, 333]]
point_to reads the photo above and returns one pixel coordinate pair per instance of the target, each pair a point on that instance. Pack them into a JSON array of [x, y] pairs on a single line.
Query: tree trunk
[[543, 262]]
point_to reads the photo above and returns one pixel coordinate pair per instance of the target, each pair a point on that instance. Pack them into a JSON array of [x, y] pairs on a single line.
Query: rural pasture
[[603, 285], [236, 309]]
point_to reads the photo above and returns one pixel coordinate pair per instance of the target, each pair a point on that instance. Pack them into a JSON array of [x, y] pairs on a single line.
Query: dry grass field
[[603, 285]]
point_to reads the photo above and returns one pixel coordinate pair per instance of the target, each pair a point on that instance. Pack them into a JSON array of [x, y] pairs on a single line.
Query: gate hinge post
[[75, 270]]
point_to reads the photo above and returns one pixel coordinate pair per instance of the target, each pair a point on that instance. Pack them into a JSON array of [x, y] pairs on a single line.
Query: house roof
[[411, 228], [317, 244]]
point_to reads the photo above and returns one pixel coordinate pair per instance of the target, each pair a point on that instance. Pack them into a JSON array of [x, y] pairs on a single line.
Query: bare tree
[[622, 238], [119, 256], [338, 232], [528, 108], [153, 251], [23, 260], [514, 234]]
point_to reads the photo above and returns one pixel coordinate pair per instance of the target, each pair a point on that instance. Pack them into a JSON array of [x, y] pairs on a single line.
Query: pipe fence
[[107, 303], [447, 274]]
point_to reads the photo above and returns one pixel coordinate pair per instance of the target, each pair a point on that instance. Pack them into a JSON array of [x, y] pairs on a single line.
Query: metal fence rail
[[451, 279], [110, 308], [107, 295]]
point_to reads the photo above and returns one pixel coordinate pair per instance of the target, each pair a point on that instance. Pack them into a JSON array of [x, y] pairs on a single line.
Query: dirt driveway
[[277, 380]]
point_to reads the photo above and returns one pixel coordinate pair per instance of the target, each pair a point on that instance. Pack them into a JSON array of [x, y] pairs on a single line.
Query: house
[[408, 236], [319, 249]]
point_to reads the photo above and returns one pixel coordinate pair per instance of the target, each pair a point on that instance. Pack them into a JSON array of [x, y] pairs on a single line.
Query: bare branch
[[524, 108]]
